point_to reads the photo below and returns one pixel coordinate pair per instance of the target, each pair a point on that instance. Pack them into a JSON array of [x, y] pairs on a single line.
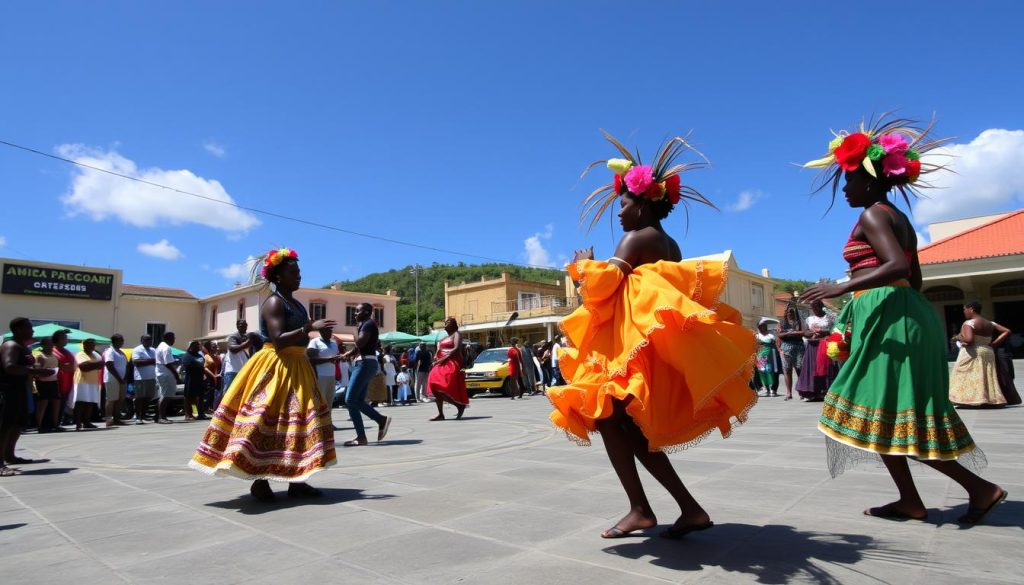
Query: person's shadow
[[772, 554], [248, 505], [1009, 514]]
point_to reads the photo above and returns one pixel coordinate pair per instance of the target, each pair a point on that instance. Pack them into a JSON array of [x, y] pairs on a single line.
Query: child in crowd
[[404, 392]]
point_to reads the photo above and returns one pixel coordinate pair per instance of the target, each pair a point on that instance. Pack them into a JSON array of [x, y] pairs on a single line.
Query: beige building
[[98, 301], [484, 308], [977, 258]]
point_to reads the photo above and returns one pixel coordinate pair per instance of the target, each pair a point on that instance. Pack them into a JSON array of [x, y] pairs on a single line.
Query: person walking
[[87, 384], [240, 347], [364, 354], [447, 381], [47, 394], [515, 370], [193, 364], [115, 370], [144, 374], [890, 398], [422, 364], [272, 423], [167, 378], [637, 377], [974, 380], [791, 346]]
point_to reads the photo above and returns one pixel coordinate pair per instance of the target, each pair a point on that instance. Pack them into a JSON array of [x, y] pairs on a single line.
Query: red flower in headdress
[[672, 185], [913, 170], [850, 154], [618, 184]]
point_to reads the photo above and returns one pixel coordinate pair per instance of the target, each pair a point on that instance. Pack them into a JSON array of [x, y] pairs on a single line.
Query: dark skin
[[889, 235], [245, 345], [171, 368], [42, 405], [645, 241], [11, 355], [83, 410], [287, 277], [981, 326], [793, 318], [451, 327], [363, 345], [325, 335], [142, 404]]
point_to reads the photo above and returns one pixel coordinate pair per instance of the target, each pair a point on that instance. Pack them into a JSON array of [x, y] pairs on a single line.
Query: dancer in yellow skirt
[[656, 361], [273, 422]]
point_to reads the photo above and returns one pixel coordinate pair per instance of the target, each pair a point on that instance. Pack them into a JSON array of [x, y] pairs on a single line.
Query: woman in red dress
[[446, 380]]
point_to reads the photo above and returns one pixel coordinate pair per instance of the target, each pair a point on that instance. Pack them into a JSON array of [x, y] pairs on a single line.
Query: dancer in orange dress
[[447, 381], [656, 361]]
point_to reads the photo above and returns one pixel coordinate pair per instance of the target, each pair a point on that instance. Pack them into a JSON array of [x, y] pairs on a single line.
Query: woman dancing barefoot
[[890, 397], [656, 360], [447, 381]]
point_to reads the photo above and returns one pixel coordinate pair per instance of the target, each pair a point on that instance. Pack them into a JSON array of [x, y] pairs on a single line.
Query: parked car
[[489, 373]]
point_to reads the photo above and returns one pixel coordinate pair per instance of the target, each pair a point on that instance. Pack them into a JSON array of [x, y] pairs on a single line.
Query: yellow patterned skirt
[[271, 424], [660, 341]]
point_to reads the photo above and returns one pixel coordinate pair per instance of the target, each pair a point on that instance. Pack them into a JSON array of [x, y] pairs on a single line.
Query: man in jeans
[[167, 378], [421, 365], [144, 365], [239, 346], [365, 367], [115, 366]]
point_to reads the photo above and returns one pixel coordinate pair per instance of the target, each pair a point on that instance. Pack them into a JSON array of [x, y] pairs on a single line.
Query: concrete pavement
[[501, 497]]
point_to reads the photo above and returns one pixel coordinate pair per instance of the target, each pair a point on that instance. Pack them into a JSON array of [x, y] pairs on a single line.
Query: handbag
[[377, 390]]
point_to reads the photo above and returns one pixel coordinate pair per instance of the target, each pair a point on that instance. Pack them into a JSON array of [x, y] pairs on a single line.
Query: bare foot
[[461, 410], [899, 510], [438, 417], [635, 520]]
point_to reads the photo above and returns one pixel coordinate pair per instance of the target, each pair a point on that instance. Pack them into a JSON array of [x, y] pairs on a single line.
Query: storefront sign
[[55, 282]]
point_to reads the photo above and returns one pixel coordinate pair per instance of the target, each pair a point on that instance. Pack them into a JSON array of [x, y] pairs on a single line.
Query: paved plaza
[[501, 497]]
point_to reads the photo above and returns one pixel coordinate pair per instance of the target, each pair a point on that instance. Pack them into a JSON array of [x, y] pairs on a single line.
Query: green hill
[[431, 285]]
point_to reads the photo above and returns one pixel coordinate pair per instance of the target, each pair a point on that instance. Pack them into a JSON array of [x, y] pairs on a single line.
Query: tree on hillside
[[431, 286]]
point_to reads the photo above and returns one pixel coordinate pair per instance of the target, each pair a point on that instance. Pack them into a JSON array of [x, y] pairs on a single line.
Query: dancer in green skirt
[[890, 397]]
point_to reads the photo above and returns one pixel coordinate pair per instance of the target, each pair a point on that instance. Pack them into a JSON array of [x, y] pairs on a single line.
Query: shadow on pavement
[[387, 442], [1009, 514], [773, 554], [470, 418], [12, 526], [246, 504], [46, 471]]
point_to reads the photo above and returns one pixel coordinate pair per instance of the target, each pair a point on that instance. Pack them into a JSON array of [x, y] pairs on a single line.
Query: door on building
[[953, 315], [1010, 314], [156, 331]]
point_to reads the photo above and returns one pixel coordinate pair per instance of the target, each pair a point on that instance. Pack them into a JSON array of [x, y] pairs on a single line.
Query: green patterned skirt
[[891, 396]]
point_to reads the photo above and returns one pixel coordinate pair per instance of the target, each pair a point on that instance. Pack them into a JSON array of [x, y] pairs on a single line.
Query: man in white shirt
[[167, 378], [144, 364], [239, 349], [323, 354], [115, 365], [556, 373]]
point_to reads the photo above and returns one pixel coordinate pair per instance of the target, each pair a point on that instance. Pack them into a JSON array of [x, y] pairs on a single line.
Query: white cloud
[[745, 201], [533, 247], [162, 249], [215, 148], [3, 241], [238, 271], [985, 177], [101, 195]]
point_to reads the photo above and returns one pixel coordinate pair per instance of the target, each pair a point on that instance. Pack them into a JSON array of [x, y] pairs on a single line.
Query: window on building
[[756, 296], [241, 310], [156, 331], [213, 318], [943, 293], [378, 315], [528, 300], [1008, 288], [350, 315], [317, 310]]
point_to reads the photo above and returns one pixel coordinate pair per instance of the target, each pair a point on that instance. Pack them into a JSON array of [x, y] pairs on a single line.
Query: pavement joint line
[[522, 548], [252, 529], [67, 537]]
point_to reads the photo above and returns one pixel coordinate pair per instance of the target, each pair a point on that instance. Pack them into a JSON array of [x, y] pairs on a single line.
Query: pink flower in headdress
[[639, 178], [894, 143], [894, 164]]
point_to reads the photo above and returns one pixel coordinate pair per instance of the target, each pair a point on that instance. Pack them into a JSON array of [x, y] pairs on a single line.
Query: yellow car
[[489, 373]]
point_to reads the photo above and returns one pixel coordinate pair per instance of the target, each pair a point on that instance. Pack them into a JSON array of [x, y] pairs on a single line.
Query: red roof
[[1003, 236]]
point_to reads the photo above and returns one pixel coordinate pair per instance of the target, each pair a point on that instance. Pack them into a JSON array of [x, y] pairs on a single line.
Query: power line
[[267, 213]]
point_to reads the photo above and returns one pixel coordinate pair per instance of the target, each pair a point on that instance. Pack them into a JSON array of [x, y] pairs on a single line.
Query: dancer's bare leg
[[620, 453]]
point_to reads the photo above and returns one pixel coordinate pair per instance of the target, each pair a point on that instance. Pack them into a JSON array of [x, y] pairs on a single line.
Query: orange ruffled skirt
[[660, 340]]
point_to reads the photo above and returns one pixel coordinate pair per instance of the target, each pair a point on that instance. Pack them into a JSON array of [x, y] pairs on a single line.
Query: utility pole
[[416, 275]]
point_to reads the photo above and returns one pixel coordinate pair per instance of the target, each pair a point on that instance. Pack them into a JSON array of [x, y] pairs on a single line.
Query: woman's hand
[[321, 324], [585, 254], [820, 292]]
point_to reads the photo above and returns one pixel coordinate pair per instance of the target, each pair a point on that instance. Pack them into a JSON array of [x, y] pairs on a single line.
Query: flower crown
[[275, 257], [656, 182], [896, 145]]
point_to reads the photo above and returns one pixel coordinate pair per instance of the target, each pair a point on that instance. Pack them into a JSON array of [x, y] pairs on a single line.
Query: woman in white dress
[[389, 372]]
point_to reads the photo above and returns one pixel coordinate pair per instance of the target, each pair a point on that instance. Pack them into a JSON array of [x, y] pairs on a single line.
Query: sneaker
[[139, 422], [383, 430]]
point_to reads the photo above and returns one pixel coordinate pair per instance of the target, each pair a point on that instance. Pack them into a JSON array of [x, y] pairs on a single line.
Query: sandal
[[976, 515], [674, 533], [616, 532], [354, 443], [890, 512], [7, 472], [438, 417], [303, 490], [260, 490], [382, 431]]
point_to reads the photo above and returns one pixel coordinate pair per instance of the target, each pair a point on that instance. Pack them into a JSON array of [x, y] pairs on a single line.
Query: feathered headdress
[[652, 182], [893, 145], [263, 264]]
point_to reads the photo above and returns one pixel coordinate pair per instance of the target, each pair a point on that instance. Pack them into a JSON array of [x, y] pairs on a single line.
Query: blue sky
[[465, 125]]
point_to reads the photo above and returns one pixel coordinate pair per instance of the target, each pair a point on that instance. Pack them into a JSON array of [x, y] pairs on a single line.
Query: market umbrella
[[75, 335], [434, 336], [398, 337]]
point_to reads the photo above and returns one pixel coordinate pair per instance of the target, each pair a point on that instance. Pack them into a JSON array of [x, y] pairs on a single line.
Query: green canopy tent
[[433, 336], [398, 338], [75, 335]]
